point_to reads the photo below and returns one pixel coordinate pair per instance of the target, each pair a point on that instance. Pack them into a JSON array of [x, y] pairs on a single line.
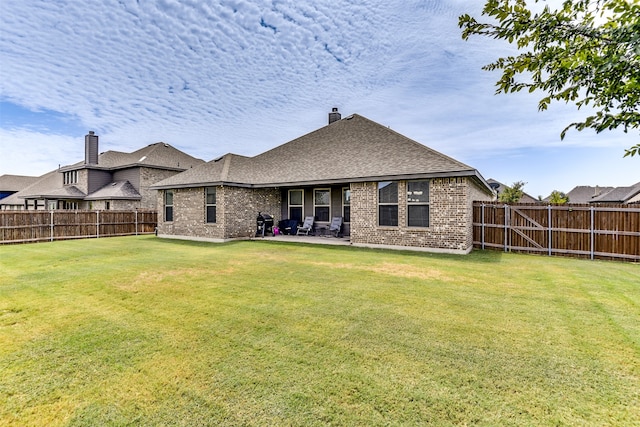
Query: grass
[[144, 331]]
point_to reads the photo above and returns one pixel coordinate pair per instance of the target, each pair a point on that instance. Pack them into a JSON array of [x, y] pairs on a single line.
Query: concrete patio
[[314, 240]]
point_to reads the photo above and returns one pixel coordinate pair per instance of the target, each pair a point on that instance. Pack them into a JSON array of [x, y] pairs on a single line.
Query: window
[[322, 204], [211, 204], [70, 177], [296, 204], [388, 203], [346, 205], [168, 205], [418, 203]]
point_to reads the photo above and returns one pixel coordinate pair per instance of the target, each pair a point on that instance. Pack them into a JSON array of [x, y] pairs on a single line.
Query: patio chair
[[336, 226], [306, 227]]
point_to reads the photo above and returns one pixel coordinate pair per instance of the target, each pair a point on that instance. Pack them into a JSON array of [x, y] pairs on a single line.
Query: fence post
[[136, 219], [506, 222], [51, 221], [97, 224], [549, 219], [482, 226], [592, 245]]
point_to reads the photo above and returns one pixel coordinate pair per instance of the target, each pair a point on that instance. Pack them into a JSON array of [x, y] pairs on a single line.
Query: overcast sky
[[212, 77]]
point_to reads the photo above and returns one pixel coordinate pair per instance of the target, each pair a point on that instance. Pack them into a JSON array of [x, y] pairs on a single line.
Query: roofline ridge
[[225, 167]]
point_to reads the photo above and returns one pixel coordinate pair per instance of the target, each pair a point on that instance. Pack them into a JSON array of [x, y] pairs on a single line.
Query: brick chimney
[[91, 148], [334, 115]]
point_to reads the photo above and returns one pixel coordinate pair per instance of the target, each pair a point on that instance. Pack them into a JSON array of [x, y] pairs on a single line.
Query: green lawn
[[144, 331]]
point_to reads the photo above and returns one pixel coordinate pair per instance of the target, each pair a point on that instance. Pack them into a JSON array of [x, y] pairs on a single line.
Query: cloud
[[244, 76], [16, 151]]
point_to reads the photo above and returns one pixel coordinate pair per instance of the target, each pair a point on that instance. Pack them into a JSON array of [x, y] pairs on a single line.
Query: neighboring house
[[110, 180], [10, 184], [620, 195], [586, 194], [389, 190], [597, 194], [500, 187]]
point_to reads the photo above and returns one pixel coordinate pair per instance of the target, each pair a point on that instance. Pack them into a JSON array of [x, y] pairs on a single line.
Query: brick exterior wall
[[148, 177], [236, 212], [450, 223]]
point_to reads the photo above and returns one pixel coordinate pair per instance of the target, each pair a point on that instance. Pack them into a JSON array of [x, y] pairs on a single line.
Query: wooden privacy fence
[[605, 232], [40, 226]]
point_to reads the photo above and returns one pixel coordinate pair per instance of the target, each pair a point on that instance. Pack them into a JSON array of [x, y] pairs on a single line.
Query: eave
[[472, 173]]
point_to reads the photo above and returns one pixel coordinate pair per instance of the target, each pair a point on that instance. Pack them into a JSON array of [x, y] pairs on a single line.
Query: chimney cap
[[91, 132], [334, 115]]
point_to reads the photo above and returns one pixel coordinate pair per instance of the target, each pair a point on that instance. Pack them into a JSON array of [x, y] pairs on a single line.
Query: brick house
[[389, 190], [110, 180]]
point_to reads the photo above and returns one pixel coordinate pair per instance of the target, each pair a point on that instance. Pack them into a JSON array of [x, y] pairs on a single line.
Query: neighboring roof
[[66, 192], [120, 190], [354, 148], [16, 182], [618, 195], [586, 194], [158, 155], [46, 183], [500, 187]]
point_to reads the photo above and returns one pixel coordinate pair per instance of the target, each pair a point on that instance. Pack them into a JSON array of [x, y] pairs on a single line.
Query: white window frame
[[70, 177]]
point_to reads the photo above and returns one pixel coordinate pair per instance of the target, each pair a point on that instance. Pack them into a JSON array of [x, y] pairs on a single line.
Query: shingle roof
[[16, 182], [159, 155], [120, 190], [163, 155], [45, 183], [586, 194], [354, 148], [618, 195]]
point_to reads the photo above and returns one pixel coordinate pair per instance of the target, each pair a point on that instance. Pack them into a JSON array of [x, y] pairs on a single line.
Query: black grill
[[264, 224]]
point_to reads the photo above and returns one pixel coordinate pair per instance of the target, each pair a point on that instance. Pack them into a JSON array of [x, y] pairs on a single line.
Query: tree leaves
[[587, 53], [512, 194]]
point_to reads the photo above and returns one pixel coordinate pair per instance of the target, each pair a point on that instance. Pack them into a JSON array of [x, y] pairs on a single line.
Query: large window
[[211, 204], [322, 204], [388, 203], [168, 205], [296, 204], [418, 203], [69, 205], [346, 205]]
